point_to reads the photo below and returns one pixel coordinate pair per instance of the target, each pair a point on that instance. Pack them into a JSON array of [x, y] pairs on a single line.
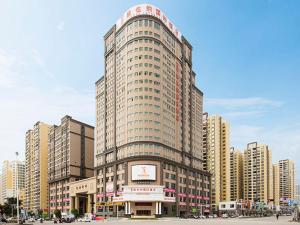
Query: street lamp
[[17, 187]]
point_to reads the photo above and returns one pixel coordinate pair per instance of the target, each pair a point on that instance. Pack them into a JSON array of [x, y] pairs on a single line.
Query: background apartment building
[[36, 172], [149, 115], [258, 173], [236, 175], [217, 158], [284, 182], [10, 171], [7, 181], [70, 158], [276, 184], [297, 193]]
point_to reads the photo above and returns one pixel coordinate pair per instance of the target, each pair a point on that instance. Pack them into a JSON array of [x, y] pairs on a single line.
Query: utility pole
[[17, 187]]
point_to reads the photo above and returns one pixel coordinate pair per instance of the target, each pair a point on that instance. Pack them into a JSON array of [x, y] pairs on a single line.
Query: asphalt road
[[283, 220]]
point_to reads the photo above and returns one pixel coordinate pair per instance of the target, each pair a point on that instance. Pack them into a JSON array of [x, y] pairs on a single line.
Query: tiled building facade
[[71, 158], [149, 115]]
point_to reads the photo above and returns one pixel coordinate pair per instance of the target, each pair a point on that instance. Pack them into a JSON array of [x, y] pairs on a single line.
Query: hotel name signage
[[147, 9], [141, 193]]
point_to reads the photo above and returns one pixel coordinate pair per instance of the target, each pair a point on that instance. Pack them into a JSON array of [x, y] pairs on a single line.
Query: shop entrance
[[143, 212]]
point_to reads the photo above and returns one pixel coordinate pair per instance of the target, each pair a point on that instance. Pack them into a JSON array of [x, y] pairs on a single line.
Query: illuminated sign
[[143, 172], [146, 9], [142, 193]]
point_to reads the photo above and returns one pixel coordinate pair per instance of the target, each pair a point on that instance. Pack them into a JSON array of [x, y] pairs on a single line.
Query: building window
[[156, 25]]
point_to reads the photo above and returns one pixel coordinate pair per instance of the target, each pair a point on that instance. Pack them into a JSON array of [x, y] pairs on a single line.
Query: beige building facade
[[217, 158], [70, 158], [284, 182], [148, 151], [7, 181], [276, 184], [258, 174], [236, 175], [36, 168]]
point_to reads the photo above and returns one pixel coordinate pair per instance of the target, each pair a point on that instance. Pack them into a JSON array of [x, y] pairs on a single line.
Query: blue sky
[[246, 55]]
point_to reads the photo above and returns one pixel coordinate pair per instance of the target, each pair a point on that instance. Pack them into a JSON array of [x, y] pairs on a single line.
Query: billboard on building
[[143, 172]]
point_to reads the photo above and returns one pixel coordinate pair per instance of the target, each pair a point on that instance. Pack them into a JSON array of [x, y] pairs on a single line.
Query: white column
[[156, 208], [126, 210], [159, 208], [129, 208]]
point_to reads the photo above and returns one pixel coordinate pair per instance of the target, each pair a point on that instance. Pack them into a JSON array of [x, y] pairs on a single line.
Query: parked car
[[224, 215], [84, 219], [12, 220]]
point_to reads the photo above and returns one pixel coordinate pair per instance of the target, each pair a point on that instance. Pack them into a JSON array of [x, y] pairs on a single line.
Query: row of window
[[60, 196], [52, 204], [145, 89], [141, 97], [150, 65], [145, 73], [135, 58], [143, 23]]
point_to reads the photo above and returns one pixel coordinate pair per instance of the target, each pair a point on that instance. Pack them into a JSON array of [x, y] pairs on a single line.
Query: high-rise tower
[[149, 118]]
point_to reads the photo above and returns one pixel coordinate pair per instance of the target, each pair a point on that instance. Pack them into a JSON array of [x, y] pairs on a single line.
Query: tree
[[9, 207], [75, 212], [31, 214], [40, 213], [57, 213]]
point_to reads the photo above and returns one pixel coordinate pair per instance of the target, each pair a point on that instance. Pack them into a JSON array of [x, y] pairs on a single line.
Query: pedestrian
[[277, 215]]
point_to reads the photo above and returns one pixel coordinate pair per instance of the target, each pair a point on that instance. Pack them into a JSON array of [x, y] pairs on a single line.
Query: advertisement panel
[[143, 172]]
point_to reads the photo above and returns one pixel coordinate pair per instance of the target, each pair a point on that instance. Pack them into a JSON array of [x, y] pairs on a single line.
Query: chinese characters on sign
[[146, 9]]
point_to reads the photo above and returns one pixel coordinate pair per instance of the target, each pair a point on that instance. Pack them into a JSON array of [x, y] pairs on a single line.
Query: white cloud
[[242, 102], [8, 69], [27, 102], [37, 57], [243, 113], [61, 26]]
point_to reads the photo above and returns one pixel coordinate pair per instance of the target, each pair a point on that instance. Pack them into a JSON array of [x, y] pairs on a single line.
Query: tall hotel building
[[36, 164], [70, 158], [148, 155], [258, 173], [284, 182], [217, 157], [236, 175]]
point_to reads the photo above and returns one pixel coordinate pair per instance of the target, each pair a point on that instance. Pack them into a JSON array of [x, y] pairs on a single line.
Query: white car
[[84, 219], [31, 219], [225, 215], [87, 219]]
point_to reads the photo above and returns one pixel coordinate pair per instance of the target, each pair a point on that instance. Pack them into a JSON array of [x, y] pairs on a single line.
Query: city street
[[247, 221], [165, 221]]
